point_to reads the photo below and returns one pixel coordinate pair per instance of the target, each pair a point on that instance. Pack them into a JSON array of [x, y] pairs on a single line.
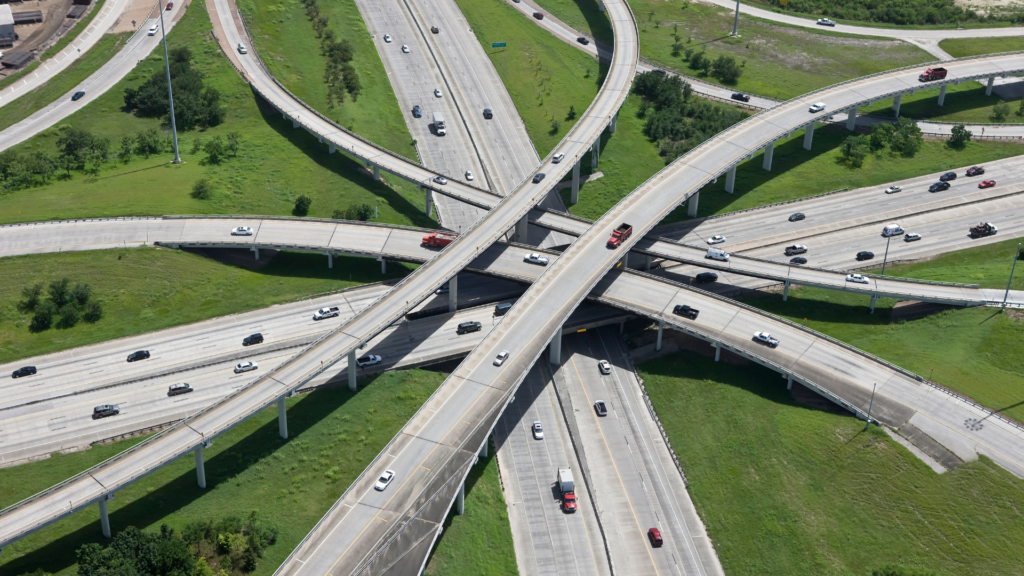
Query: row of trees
[[339, 74], [195, 105], [61, 299], [674, 118], [901, 11], [724, 67]]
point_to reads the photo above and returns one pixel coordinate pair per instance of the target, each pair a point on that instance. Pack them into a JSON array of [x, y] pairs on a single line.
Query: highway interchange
[[904, 399]]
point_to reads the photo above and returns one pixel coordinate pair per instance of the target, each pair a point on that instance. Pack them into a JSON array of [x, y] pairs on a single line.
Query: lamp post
[[1016, 255], [886, 256], [736, 19], [870, 405], [170, 93]]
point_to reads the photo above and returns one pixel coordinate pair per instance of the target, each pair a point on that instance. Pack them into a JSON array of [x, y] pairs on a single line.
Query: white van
[[892, 230], [153, 29], [716, 254]]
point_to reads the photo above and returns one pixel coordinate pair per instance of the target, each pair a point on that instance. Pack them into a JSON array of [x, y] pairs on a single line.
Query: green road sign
[[497, 44]]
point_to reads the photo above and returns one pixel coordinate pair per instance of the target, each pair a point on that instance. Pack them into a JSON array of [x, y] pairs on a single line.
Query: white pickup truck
[[326, 313]]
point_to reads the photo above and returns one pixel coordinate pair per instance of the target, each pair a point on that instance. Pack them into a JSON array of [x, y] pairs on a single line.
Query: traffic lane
[[63, 236]]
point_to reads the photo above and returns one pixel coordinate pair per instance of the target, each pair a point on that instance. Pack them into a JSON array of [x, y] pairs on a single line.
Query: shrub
[[60, 291], [302, 204], [93, 312], [195, 105], [31, 296], [1000, 111], [726, 69], [81, 293], [959, 138], [43, 317], [215, 150], [69, 315], [854, 150], [201, 190]]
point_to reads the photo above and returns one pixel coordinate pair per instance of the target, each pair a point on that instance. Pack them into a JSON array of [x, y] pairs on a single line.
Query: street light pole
[[170, 93], [1016, 255], [886, 256], [736, 20], [870, 405]]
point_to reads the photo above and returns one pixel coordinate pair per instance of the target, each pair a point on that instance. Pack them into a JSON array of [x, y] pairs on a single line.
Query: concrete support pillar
[[600, 6], [460, 500], [785, 292], [483, 449], [718, 352], [730, 180], [520, 235], [647, 262], [295, 124], [330, 259], [430, 204], [282, 417], [942, 95], [661, 329], [611, 125], [896, 105], [104, 518], [851, 119], [624, 261], [789, 383], [595, 153], [808, 137], [256, 252], [331, 149], [874, 298], [383, 265], [691, 210], [453, 293], [555, 356], [622, 328], [200, 467], [769, 151], [575, 196], [352, 371], [376, 172], [988, 88]]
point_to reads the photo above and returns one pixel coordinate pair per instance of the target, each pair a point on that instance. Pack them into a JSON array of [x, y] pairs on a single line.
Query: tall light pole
[[1016, 255], [736, 20], [870, 405], [886, 256], [170, 93]]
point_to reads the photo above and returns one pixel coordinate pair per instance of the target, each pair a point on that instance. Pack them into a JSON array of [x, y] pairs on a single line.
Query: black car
[[600, 408], [705, 277], [77, 96], [659, 71], [467, 327], [583, 40], [254, 339], [538, 177], [865, 255], [140, 355], [24, 371], [947, 177], [105, 410], [797, 216], [416, 112], [488, 114], [502, 309], [741, 97], [798, 260], [685, 311], [938, 187], [975, 171]]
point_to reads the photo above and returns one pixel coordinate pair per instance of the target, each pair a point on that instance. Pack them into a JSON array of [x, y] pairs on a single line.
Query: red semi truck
[[439, 239], [932, 74], [619, 235]]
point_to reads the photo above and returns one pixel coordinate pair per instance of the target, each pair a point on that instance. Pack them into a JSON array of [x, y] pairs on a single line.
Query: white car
[[437, 92], [557, 157], [405, 48], [536, 259], [241, 231], [469, 174], [538, 431], [604, 366], [716, 239], [859, 279], [245, 367], [911, 237], [387, 38], [818, 107], [501, 357], [384, 480], [368, 360], [153, 29], [766, 339], [440, 179], [893, 189], [826, 22], [242, 49]]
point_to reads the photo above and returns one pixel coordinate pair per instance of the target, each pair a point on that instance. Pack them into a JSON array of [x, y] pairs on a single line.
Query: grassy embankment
[[286, 43], [274, 166], [960, 47]]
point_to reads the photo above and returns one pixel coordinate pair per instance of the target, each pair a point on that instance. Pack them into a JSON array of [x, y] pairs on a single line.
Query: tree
[[907, 137], [726, 69], [31, 296], [572, 113], [214, 149], [302, 204], [69, 315], [194, 104], [197, 146], [234, 140], [148, 143], [1000, 111], [81, 293], [43, 165], [361, 212], [677, 48], [74, 146], [93, 312], [43, 317], [202, 190], [127, 143], [60, 291], [959, 138], [555, 125], [700, 62], [854, 150]]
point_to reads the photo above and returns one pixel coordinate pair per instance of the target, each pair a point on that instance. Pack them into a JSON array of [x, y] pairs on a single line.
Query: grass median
[[960, 47], [965, 103]]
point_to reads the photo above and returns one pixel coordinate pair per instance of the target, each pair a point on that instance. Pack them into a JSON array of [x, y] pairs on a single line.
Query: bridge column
[[295, 124], [282, 417], [520, 235], [104, 517], [600, 6], [942, 95], [256, 252], [595, 153], [331, 149], [691, 210], [661, 329], [718, 351], [430, 204], [352, 371], [376, 172], [330, 259], [200, 467], [769, 151], [789, 383], [611, 125], [785, 292], [896, 105], [988, 89], [624, 261], [383, 265], [809, 136], [851, 118], [874, 298], [483, 449], [555, 356], [575, 196], [647, 262], [730, 180], [460, 500], [453, 293]]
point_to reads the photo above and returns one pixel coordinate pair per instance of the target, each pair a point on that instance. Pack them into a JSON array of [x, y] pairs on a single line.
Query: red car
[[987, 184], [568, 502], [975, 171], [654, 535], [169, 6]]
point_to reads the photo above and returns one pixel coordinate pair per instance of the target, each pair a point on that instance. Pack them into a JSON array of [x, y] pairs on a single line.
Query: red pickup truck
[[619, 235], [439, 239], [932, 74]]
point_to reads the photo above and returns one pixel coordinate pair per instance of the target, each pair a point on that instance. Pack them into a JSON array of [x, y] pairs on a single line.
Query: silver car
[[538, 431], [245, 367], [241, 231], [384, 480]]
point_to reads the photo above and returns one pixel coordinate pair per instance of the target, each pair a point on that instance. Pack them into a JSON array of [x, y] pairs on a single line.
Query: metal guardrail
[[298, 219], [73, 220]]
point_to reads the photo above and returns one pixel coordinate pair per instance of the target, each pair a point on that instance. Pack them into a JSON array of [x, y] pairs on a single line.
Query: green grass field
[[797, 173], [960, 47], [148, 289], [784, 489], [965, 103], [274, 166], [286, 43]]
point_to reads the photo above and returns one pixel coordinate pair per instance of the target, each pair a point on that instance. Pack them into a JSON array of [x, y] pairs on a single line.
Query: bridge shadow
[[342, 165], [163, 501]]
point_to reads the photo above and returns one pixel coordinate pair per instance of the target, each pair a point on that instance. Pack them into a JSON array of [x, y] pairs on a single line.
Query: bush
[[60, 291], [31, 296], [81, 293], [1000, 111], [854, 150], [215, 150], [148, 143], [194, 104], [69, 315], [93, 312], [959, 138], [201, 190], [302, 204], [726, 69], [43, 317]]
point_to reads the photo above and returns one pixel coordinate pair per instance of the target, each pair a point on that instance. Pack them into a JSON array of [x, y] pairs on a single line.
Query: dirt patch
[[987, 7], [134, 17]]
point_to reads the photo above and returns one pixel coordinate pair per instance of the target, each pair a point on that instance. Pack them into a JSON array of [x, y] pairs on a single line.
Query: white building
[[6, 26]]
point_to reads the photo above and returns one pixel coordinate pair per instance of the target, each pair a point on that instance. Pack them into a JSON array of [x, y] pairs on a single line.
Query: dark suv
[[105, 410], [25, 371], [938, 187], [947, 177], [705, 277], [140, 355], [467, 327], [975, 171], [256, 338], [865, 255], [502, 309], [685, 311]]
